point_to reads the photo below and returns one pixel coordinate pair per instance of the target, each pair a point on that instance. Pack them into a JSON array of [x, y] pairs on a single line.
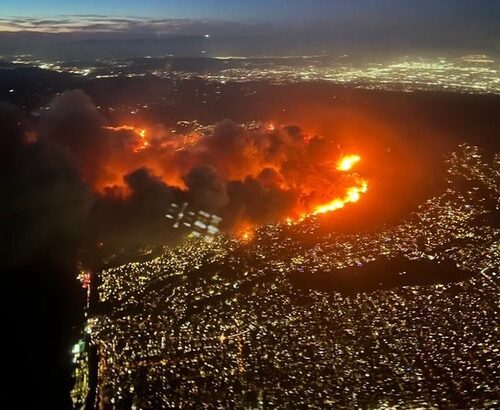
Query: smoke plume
[[111, 184]]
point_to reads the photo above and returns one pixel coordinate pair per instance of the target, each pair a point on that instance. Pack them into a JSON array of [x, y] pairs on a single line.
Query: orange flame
[[316, 193], [246, 234], [347, 162], [352, 194], [141, 133]]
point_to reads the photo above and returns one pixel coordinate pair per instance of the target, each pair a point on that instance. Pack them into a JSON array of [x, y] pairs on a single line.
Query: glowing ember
[[245, 233], [246, 236], [347, 162]]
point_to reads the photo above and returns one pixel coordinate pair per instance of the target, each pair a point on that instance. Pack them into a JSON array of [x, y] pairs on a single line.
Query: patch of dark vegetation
[[382, 274]]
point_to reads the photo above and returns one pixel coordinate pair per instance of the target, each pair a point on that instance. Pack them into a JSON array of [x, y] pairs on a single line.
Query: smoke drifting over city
[[82, 171]]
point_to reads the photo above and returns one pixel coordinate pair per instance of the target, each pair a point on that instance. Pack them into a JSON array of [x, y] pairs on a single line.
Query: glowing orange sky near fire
[[352, 195], [345, 164], [141, 133]]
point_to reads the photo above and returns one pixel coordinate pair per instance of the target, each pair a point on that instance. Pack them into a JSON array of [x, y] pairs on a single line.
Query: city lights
[[226, 317]]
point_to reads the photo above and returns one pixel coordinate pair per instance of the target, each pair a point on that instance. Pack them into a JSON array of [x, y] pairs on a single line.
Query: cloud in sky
[[92, 25], [429, 28]]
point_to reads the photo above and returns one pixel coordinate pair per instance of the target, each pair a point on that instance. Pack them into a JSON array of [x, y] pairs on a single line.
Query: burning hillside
[[251, 175], [121, 179]]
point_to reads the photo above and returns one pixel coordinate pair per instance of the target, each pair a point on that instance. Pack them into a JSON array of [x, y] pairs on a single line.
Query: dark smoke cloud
[[257, 201], [270, 178], [43, 212], [11, 130], [44, 201], [206, 188], [137, 220], [59, 193], [73, 122], [237, 152]]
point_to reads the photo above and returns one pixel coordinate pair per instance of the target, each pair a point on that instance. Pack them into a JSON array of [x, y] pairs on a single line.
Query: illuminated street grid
[[469, 74], [219, 325], [466, 74]]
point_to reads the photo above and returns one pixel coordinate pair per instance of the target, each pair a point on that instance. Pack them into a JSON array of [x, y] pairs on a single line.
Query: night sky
[[262, 10], [322, 17]]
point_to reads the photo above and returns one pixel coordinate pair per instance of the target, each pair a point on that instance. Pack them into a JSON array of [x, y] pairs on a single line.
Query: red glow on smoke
[[272, 161]]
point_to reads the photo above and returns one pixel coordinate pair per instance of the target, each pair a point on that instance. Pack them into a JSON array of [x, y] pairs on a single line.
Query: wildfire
[[315, 192], [141, 134], [347, 162], [246, 234], [352, 193]]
